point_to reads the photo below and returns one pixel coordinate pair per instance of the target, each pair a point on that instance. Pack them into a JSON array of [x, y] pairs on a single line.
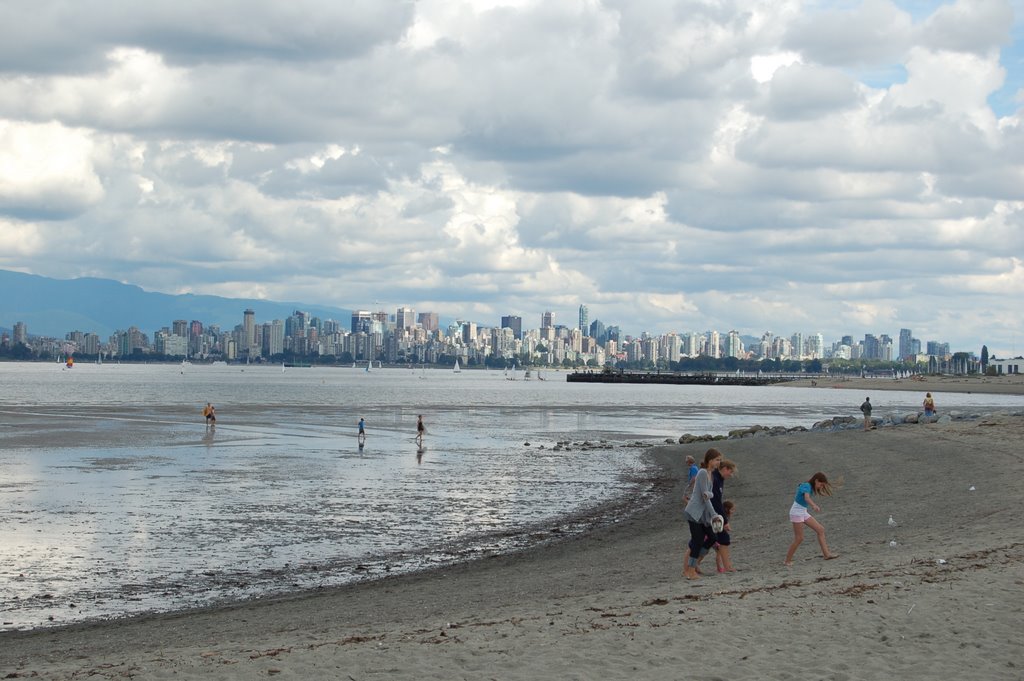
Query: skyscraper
[[361, 321], [584, 324], [515, 323], [405, 318], [906, 342], [249, 346], [547, 320], [428, 321]]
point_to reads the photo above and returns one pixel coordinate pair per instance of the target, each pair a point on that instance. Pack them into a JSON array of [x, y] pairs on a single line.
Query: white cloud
[[46, 169], [827, 166]]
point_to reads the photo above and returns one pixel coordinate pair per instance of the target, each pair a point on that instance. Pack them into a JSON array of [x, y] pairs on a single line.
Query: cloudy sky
[[831, 166]]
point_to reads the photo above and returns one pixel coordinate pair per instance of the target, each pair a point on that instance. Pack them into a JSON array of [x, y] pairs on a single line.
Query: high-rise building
[[584, 324], [733, 345], [273, 338], [815, 346], [248, 344], [469, 332], [906, 341], [797, 346], [515, 323], [714, 345], [362, 321], [20, 336], [428, 321], [405, 318], [872, 347], [547, 320]]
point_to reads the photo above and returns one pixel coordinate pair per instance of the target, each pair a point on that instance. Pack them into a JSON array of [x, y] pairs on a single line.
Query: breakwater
[[673, 378]]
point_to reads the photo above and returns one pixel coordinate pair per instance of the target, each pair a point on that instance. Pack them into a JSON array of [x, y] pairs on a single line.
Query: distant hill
[[53, 307]]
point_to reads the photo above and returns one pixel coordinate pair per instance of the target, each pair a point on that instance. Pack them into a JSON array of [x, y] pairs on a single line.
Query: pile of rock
[[834, 424]]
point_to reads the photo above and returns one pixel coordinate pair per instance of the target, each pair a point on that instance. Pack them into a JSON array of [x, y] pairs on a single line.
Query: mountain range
[[55, 307]]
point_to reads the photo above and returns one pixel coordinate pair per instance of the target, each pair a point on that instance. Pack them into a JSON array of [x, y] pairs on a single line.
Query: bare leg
[[819, 529], [798, 536], [723, 553]]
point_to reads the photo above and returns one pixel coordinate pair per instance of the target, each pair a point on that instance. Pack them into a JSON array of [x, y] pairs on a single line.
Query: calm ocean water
[[116, 499]]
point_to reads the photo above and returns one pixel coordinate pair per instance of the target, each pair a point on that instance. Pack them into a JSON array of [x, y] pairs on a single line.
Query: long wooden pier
[[672, 378]]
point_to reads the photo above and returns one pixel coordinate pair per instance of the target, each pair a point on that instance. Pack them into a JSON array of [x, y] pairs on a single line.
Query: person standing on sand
[[799, 516], [362, 428], [699, 513], [722, 540], [866, 410], [929, 405], [722, 561], [211, 415], [420, 430]]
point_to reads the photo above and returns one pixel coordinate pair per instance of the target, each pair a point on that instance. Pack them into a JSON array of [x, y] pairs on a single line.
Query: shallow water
[[116, 499]]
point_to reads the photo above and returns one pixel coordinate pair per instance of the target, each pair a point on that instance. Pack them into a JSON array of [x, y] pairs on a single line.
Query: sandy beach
[[944, 602], [1012, 384]]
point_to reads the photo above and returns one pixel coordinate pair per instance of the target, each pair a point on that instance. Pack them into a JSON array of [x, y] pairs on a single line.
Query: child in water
[[799, 515]]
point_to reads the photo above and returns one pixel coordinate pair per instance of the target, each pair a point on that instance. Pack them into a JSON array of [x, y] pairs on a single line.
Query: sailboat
[[456, 368]]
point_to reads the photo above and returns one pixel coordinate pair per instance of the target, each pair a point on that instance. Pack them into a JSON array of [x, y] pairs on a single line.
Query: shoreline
[[611, 603], [1012, 384]]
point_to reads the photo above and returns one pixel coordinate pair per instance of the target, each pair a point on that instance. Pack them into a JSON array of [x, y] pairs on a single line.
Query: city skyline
[[407, 334], [834, 164]]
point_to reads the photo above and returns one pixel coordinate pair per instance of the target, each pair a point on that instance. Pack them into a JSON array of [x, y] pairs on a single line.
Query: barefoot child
[[799, 516], [722, 559]]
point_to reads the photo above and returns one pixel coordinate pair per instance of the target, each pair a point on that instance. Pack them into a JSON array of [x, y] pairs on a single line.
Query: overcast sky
[[828, 166]]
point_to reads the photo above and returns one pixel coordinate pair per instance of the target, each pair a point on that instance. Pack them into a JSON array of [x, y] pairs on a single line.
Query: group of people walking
[[709, 515], [210, 414], [421, 430]]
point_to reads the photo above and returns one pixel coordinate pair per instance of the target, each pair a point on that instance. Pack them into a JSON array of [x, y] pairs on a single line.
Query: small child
[[691, 467], [799, 516], [722, 558]]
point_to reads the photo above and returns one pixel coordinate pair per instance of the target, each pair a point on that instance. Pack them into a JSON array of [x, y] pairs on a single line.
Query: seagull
[[892, 523]]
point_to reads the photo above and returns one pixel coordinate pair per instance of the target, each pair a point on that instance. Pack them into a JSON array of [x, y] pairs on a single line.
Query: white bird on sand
[[892, 523]]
